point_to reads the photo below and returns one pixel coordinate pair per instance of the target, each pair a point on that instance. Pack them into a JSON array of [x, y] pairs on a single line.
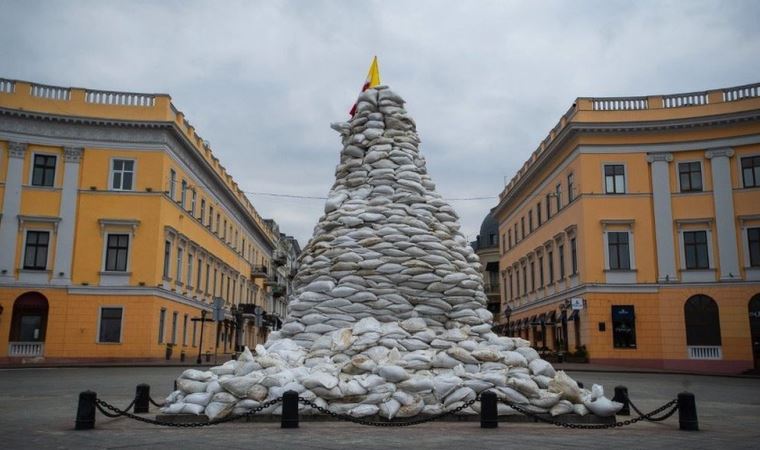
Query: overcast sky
[[485, 80]]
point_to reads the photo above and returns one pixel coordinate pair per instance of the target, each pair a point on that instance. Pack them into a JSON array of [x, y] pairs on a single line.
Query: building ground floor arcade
[[81, 324], [697, 328]]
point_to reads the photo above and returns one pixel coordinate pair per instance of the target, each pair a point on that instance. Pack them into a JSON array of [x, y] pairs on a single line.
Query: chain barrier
[[116, 412], [154, 403], [585, 426], [360, 421], [649, 416]]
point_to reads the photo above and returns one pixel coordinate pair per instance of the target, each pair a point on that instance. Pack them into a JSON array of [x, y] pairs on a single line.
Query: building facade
[[486, 246], [119, 229], [632, 234]]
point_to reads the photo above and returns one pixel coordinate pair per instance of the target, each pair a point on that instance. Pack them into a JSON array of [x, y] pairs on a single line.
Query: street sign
[[218, 309], [576, 303]]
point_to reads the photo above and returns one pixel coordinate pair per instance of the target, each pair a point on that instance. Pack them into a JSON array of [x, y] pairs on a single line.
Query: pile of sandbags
[[388, 314]]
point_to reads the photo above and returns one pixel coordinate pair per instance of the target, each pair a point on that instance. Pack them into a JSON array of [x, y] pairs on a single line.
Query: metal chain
[[582, 426], [156, 404], [118, 412], [649, 417], [360, 421], [102, 406]]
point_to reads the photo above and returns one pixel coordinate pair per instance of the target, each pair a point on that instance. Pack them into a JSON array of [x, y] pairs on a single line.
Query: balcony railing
[[7, 86], [690, 99], [50, 92], [620, 103], [25, 349], [278, 290], [119, 98], [705, 352], [259, 272], [741, 92]]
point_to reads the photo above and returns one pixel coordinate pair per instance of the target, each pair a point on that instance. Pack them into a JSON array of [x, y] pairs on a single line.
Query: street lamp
[[203, 323], [507, 314]]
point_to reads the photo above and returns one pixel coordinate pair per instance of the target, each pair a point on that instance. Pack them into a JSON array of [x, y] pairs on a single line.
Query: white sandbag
[[227, 368], [527, 387], [417, 384], [366, 325], [257, 392], [545, 400], [541, 367], [197, 375], [580, 409], [411, 410], [363, 363], [213, 387], [414, 324], [443, 360], [190, 386], [174, 408], [199, 398], [246, 368], [389, 409], [514, 359], [218, 410], [444, 384], [245, 356], [364, 411], [600, 405], [192, 408], [563, 407], [320, 379], [392, 373], [462, 355], [239, 386], [462, 394], [486, 355], [566, 386], [528, 352]]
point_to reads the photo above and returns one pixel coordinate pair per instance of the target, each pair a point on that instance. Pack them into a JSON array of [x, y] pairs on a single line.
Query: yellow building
[[119, 228], [633, 232]]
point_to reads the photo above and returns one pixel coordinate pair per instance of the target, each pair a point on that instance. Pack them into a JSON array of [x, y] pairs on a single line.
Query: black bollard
[[580, 385], [489, 415], [621, 396], [142, 398], [86, 411], [290, 409], [687, 412]]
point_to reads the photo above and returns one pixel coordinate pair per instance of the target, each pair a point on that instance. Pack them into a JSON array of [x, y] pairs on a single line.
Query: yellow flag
[[373, 79]]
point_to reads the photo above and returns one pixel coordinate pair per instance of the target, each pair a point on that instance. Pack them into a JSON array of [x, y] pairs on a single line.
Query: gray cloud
[[485, 80]]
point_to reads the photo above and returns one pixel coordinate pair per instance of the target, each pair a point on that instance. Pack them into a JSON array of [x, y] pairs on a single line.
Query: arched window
[[702, 321]]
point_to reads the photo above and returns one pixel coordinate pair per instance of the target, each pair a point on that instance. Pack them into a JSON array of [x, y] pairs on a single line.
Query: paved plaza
[[39, 405]]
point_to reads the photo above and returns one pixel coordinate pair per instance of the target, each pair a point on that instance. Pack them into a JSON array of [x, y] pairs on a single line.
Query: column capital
[[718, 152], [653, 157], [72, 154], [17, 149]]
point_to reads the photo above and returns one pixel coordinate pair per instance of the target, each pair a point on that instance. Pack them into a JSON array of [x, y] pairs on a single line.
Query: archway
[[28, 325], [754, 326], [702, 327]]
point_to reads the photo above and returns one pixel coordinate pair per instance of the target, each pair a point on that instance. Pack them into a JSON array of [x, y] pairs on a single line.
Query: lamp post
[[507, 314], [200, 347]]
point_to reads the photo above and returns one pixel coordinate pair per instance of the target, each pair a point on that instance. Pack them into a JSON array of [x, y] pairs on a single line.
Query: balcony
[[278, 290], [25, 349], [259, 272]]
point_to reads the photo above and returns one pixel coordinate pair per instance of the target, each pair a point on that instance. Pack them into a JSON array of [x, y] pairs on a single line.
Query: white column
[[11, 210], [65, 239], [724, 212], [663, 216]]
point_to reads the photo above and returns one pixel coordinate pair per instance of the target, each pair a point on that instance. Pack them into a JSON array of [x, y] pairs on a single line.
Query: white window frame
[[190, 257], [55, 171], [696, 275], [105, 253], [172, 183], [25, 231], [701, 173], [111, 174], [193, 198], [162, 326], [617, 276], [625, 177], [180, 256], [747, 222], [121, 329], [740, 180]]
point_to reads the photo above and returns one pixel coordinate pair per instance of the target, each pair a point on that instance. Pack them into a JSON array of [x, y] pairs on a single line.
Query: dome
[[489, 233]]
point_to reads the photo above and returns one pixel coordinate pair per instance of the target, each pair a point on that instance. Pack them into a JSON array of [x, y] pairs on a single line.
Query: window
[[218, 220], [122, 174], [570, 188], [183, 195], [36, 251], [573, 257], [558, 196], [43, 172], [702, 319], [509, 238], [617, 246], [190, 270], [532, 276], [172, 183], [550, 259], [174, 327], [614, 179], [538, 213], [623, 326], [510, 291], [530, 220], [561, 251], [184, 330], [161, 323], [110, 325], [203, 211], [517, 238], [198, 276], [208, 269], [210, 216], [524, 280], [522, 227], [195, 327], [690, 176], [167, 258], [180, 252], [214, 286], [753, 240], [193, 195], [751, 171], [117, 251], [224, 230], [541, 271], [695, 250], [548, 206]]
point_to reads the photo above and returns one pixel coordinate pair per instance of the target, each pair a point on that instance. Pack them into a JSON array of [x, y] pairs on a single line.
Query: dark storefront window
[[623, 326]]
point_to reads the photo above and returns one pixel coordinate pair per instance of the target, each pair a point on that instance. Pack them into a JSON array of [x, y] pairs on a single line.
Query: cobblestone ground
[[38, 409]]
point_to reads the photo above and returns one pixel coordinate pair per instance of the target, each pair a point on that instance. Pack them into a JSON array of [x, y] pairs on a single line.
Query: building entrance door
[[28, 325], [754, 326]]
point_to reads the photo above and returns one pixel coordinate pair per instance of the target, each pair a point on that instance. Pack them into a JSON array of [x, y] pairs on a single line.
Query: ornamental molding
[[73, 154], [17, 149], [660, 157], [719, 152]]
